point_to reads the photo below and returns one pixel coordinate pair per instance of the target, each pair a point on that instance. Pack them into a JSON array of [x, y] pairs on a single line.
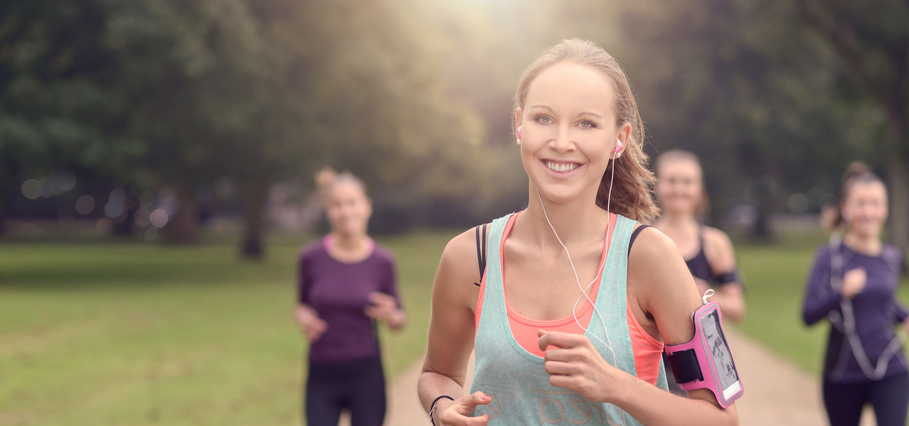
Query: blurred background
[[157, 162]]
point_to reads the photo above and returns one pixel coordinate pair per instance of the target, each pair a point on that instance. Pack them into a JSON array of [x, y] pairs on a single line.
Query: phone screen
[[719, 351]]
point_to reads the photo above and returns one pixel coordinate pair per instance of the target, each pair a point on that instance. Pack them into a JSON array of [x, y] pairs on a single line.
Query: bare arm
[[721, 254], [668, 293], [451, 334]]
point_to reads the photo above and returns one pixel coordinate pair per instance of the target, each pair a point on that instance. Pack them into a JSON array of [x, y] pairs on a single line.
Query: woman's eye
[[544, 119], [587, 124]]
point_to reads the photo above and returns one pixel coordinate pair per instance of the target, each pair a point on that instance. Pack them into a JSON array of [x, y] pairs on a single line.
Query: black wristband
[[432, 408]]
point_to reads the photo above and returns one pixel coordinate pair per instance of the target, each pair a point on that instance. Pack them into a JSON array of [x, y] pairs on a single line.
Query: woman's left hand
[[573, 363], [385, 308]]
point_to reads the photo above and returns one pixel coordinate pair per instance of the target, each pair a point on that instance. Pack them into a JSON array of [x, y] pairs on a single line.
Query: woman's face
[[679, 187], [568, 131], [348, 209], [865, 208]]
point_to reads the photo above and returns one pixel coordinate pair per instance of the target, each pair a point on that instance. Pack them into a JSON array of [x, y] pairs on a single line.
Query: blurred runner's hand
[[313, 326], [385, 308], [853, 282]]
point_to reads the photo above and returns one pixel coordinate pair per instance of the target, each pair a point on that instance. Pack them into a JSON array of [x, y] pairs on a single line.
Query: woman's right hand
[[458, 412], [853, 282], [309, 321]]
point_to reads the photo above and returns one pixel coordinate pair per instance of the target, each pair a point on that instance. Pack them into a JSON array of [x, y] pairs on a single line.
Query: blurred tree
[[55, 107], [182, 93], [872, 40], [727, 80]]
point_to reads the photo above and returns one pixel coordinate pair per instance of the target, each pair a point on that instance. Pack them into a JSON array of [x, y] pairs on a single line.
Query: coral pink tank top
[[647, 350]]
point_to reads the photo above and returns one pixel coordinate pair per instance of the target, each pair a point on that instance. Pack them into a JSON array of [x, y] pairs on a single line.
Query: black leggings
[[357, 385], [889, 398]]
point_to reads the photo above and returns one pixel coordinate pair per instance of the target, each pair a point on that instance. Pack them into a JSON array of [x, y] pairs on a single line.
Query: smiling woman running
[[551, 348]]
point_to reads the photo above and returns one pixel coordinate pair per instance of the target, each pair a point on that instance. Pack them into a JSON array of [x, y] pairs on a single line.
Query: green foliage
[[416, 97]]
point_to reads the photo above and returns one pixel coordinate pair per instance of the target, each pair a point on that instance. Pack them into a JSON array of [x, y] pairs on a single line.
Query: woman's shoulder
[[466, 245], [824, 252], [312, 248], [460, 258], [383, 253], [716, 238], [651, 245], [893, 253]]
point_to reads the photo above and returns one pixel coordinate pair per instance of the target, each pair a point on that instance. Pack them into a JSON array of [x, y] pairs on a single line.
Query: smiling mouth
[[561, 167]]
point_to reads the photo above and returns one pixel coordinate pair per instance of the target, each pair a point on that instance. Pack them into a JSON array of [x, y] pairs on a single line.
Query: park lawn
[[133, 334]]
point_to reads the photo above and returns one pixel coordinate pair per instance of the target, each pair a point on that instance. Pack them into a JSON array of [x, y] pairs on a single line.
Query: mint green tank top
[[515, 379]]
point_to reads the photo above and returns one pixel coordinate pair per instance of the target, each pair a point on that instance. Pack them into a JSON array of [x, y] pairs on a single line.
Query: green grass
[[133, 334], [775, 277], [121, 333]]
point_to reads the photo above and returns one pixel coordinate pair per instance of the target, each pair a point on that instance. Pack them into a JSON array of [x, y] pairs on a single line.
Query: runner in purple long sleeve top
[[339, 292], [346, 286], [853, 283], [876, 309]]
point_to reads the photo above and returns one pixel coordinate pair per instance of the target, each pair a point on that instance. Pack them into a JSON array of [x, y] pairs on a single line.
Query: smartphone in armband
[[706, 361]]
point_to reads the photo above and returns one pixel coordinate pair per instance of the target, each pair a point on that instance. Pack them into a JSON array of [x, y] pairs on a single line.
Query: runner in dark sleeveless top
[[707, 251]]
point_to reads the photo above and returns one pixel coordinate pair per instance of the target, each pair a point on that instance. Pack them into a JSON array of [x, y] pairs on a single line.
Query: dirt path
[[776, 392]]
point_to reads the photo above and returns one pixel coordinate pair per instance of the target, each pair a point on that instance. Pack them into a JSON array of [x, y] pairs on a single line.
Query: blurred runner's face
[[679, 186], [865, 208], [568, 131], [348, 209]]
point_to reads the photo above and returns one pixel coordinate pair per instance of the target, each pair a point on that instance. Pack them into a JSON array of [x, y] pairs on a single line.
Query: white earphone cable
[[600, 271]]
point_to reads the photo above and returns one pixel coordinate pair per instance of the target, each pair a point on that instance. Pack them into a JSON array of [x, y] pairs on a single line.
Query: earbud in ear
[[519, 132], [618, 146]]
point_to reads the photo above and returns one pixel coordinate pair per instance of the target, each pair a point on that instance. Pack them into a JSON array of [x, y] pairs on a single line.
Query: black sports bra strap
[[483, 257], [481, 251], [634, 235]]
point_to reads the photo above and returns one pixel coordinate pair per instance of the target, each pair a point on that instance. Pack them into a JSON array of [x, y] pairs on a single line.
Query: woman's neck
[[575, 221], [676, 221], [349, 243], [870, 245]]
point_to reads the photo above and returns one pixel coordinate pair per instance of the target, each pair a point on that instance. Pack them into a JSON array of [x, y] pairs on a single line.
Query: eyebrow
[[582, 113]]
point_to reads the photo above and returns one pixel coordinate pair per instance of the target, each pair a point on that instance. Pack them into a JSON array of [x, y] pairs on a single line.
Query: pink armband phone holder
[[706, 361]]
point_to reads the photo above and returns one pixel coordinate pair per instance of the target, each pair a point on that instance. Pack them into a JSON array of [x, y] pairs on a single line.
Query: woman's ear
[[625, 135]]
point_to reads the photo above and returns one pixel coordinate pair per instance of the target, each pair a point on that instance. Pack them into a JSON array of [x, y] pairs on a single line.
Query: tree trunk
[[897, 180], [254, 196], [183, 228]]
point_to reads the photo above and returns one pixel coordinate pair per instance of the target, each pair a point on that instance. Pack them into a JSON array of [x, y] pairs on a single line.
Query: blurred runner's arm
[[820, 298], [386, 304], [721, 255], [307, 317]]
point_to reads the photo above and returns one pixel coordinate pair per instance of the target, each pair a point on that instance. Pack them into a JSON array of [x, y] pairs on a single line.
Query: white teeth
[[561, 167]]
